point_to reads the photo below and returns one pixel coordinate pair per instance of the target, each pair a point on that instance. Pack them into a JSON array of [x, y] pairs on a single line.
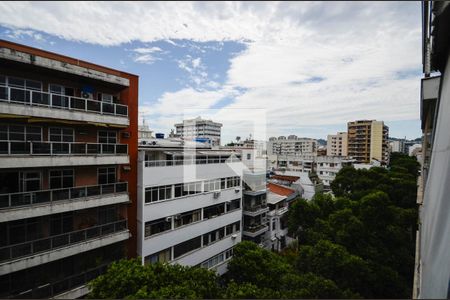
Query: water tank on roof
[[159, 135]]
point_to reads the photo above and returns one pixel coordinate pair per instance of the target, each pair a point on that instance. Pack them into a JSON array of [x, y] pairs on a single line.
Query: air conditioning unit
[[168, 219], [234, 236], [237, 190], [216, 195]]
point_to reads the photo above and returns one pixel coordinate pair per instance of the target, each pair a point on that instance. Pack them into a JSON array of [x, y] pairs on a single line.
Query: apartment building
[[68, 137], [292, 145], [325, 167], [432, 272], [255, 207], [278, 199], [337, 144], [368, 140], [199, 128], [190, 203], [397, 146]]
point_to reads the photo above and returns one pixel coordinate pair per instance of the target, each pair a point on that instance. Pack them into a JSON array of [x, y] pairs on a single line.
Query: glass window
[[157, 226], [158, 193], [233, 204], [61, 135], [188, 218], [61, 178], [34, 133], [33, 85], [187, 246], [213, 211], [106, 175], [162, 256], [16, 82], [2, 80], [16, 132], [3, 132], [107, 137]]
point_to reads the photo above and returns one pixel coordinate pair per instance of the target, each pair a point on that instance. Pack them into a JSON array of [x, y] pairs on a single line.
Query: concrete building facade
[[368, 140], [337, 144], [199, 128], [432, 271], [292, 145], [190, 204], [68, 153]]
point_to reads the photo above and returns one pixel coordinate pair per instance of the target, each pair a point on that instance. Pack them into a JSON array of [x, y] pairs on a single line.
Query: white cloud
[[307, 64]]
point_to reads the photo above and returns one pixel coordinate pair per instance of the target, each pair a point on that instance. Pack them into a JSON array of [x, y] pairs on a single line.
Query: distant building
[[432, 271], [397, 146], [337, 144], [368, 140], [292, 145], [144, 132], [199, 128]]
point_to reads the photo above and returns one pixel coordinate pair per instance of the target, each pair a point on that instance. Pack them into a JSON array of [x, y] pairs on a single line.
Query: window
[[187, 246], [188, 218], [249, 156], [274, 224], [184, 189], [157, 226], [233, 228], [212, 185], [30, 181], [61, 178], [233, 204], [16, 133], [61, 135], [107, 137], [233, 181], [16, 82], [213, 211], [213, 236], [158, 193], [106, 175], [162, 256]]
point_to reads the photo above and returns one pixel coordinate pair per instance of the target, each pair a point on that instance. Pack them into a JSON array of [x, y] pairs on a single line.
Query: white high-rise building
[[292, 145], [337, 144], [199, 128], [189, 204]]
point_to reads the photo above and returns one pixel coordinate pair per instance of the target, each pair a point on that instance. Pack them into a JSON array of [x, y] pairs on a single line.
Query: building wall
[[337, 144]]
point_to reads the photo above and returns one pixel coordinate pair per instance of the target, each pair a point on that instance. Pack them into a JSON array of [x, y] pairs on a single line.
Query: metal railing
[[60, 148], [180, 162], [255, 228], [38, 98], [58, 287], [13, 200], [61, 240], [255, 208]]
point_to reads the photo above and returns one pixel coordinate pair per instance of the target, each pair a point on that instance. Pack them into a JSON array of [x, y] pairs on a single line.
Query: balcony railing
[[13, 200], [255, 208], [38, 98], [58, 287], [255, 228], [60, 148], [202, 161], [58, 241]]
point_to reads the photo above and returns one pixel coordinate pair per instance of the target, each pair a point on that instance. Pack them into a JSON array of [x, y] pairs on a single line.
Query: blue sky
[[292, 68]]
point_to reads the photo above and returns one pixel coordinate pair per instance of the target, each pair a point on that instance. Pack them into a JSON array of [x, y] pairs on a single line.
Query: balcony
[[255, 230], [19, 101], [15, 206], [15, 154], [255, 210], [28, 254], [61, 287], [181, 162]]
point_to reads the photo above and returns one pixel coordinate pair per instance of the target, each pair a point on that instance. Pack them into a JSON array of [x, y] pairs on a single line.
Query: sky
[[260, 68]]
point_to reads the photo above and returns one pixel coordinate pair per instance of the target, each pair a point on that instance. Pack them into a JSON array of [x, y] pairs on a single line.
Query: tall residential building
[[292, 145], [190, 204], [397, 146], [68, 171], [432, 271], [337, 144], [368, 140], [199, 128]]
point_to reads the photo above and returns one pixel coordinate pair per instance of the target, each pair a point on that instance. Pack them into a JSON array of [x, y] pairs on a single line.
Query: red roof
[[286, 178], [279, 189]]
